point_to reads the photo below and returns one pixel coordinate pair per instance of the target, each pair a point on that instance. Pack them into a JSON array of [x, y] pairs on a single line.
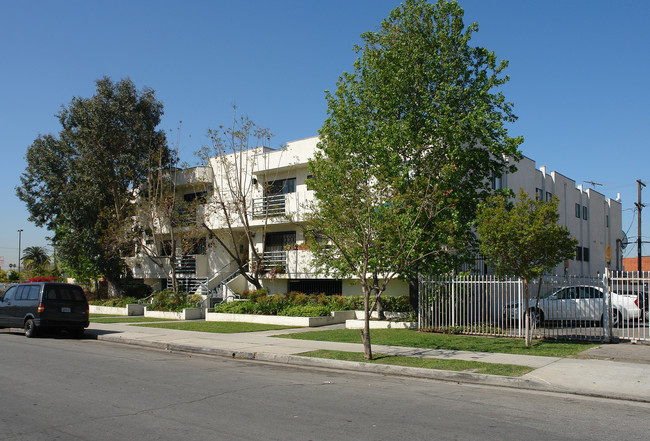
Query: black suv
[[33, 306]]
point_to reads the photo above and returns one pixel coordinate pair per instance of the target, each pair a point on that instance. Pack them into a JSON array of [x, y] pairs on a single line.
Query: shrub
[[236, 308], [299, 304], [306, 311], [168, 300], [119, 302], [395, 304]]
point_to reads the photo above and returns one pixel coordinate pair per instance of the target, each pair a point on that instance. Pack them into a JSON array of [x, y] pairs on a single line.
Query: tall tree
[[168, 226], [412, 137], [80, 184], [230, 218], [523, 240]]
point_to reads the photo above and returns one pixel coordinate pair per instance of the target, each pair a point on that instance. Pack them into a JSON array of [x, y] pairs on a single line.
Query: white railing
[[269, 206], [632, 288], [561, 307]]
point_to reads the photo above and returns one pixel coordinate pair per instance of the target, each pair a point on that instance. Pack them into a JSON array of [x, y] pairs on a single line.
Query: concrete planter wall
[[380, 324], [335, 318], [187, 314], [360, 315], [130, 309]]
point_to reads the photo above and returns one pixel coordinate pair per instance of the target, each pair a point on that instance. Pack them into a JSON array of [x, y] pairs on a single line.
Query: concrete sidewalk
[[620, 371]]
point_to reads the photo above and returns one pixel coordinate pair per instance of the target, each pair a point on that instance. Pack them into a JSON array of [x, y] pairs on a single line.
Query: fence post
[[522, 308], [607, 313], [453, 301]]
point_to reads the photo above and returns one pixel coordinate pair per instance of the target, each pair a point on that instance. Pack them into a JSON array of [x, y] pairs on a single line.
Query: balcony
[[269, 206], [274, 261], [186, 265]]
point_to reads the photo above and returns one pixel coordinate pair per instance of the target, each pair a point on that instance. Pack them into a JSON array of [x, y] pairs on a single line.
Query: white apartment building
[[275, 183]]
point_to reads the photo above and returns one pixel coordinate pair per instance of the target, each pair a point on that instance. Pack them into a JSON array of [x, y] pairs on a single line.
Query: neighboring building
[[276, 185], [632, 263], [590, 217]]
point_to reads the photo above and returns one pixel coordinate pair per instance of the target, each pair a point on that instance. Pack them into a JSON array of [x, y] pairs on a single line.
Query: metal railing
[[185, 264], [269, 206], [560, 307], [274, 260]]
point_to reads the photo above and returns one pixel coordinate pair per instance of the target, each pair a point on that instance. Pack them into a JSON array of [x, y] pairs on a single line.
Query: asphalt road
[[61, 388]]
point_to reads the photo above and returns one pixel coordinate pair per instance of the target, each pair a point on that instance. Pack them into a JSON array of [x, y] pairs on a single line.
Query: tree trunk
[[365, 333], [414, 292], [527, 329], [380, 309], [113, 289]]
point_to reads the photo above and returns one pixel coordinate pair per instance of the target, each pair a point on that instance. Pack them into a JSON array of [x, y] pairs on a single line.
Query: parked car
[[36, 306], [579, 303]]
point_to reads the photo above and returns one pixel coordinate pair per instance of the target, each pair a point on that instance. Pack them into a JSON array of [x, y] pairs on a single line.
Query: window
[[9, 294], [201, 196], [585, 254], [578, 211], [199, 246], [497, 182], [281, 186], [549, 196], [585, 213], [20, 291], [579, 254], [316, 286], [539, 194], [32, 294], [607, 220]]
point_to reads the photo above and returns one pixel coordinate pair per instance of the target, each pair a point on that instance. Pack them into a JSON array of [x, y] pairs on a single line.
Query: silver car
[[579, 303]]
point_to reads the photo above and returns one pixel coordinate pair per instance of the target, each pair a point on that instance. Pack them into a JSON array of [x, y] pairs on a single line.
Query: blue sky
[[579, 76]]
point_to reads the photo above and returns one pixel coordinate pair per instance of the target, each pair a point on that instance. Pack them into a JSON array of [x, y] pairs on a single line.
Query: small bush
[[297, 304], [168, 300], [306, 311], [395, 304], [117, 302]]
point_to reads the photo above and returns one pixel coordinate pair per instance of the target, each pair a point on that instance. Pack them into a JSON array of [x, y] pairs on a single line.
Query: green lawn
[[125, 319], [415, 339], [217, 327], [510, 370]]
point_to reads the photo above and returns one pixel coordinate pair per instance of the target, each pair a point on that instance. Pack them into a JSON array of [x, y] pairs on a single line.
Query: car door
[[589, 304], [5, 305], [8, 313], [562, 304]]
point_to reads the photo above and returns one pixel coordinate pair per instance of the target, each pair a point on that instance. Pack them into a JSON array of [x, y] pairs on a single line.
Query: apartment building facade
[[274, 184]]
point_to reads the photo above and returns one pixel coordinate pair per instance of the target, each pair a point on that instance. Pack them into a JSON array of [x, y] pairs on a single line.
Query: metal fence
[[561, 307]]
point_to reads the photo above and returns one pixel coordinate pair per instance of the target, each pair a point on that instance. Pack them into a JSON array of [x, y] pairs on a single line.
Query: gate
[[561, 307]]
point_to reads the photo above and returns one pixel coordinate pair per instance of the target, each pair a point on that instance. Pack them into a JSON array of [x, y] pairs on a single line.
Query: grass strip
[[509, 370], [217, 327], [126, 319], [415, 339]]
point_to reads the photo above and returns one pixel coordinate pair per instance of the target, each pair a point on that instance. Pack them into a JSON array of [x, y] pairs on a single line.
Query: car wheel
[[617, 319], [30, 328]]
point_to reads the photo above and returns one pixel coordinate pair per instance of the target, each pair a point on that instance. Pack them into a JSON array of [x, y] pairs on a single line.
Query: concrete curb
[[430, 374]]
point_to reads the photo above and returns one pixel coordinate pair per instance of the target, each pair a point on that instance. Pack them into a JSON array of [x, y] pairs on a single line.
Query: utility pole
[[639, 207], [20, 236]]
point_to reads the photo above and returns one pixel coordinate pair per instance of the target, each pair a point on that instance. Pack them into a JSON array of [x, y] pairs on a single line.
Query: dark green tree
[[523, 240], [412, 138], [80, 184]]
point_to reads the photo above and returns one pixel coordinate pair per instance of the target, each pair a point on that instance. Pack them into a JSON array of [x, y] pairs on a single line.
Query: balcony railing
[[269, 206], [273, 260], [186, 265], [186, 216]]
